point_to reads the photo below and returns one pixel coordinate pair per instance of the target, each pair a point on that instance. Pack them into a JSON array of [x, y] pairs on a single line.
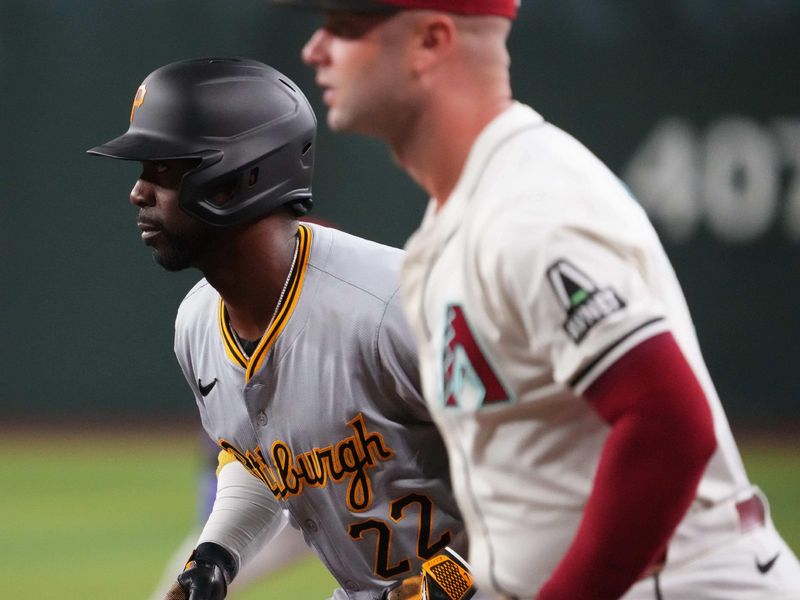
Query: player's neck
[[436, 149], [251, 275]]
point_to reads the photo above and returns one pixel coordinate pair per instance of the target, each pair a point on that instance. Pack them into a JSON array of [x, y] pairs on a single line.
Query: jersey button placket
[[311, 525], [253, 397], [351, 586]]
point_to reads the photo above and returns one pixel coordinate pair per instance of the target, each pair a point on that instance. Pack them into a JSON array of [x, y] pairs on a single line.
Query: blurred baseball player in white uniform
[[589, 452], [294, 344]]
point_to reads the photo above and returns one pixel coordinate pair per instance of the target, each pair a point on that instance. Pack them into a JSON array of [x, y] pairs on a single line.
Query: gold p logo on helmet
[[138, 99]]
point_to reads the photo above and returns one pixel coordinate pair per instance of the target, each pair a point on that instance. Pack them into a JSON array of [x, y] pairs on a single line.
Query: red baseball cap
[[502, 8]]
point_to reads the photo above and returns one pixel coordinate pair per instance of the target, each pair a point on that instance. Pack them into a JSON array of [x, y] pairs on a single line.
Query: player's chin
[[172, 259], [342, 118], [342, 121], [337, 120]]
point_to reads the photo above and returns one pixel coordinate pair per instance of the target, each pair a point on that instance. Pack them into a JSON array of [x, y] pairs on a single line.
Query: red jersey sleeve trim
[[584, 378]]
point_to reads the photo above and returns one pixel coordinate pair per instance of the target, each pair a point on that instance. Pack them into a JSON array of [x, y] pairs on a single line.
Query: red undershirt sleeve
[[661, 439]]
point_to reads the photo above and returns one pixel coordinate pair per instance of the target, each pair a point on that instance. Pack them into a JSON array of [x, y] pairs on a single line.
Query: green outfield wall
[[694, 103]]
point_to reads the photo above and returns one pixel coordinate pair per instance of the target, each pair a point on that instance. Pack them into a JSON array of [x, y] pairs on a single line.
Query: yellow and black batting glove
[[207, 574], [447, 577], [444, 577]]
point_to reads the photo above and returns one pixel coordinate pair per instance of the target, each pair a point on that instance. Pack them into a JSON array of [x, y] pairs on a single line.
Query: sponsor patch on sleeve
[[584, 303]]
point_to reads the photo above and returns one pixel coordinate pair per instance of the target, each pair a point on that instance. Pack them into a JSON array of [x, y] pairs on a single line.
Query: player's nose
[[142, 194], [314, 53]]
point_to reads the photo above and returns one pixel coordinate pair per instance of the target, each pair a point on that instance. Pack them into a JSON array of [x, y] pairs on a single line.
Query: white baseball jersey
[[327, 411], [536, 275]]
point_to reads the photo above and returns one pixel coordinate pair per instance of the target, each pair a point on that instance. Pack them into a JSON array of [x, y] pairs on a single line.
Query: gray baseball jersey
[[327, 411]]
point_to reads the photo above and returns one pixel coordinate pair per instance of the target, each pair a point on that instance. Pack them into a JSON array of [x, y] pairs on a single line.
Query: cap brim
[[363, 6], [137, 146]]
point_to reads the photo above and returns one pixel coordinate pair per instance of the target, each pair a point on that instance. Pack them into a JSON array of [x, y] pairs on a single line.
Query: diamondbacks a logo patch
[[585, 304], [469, 380]]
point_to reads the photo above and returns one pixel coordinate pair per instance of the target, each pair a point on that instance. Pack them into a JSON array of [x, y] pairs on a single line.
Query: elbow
[[707, 441], [699, 436]]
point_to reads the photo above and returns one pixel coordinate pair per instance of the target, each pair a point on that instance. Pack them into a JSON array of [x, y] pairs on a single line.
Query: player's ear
[[434, 39]]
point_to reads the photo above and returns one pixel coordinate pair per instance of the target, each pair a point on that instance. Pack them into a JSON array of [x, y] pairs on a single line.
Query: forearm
[[245, 514], [660, 441]]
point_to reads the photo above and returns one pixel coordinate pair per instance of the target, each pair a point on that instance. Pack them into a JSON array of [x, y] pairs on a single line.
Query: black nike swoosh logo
[[764, 568], [205, 390]]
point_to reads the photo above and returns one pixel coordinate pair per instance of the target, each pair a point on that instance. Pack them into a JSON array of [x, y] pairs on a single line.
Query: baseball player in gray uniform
[[590, 453], [293, 343]]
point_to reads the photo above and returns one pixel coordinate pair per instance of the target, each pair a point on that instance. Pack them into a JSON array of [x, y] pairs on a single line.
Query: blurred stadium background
[[694, 103]]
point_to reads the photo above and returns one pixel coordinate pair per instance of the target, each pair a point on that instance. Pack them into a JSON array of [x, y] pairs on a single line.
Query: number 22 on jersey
[[383, 531]]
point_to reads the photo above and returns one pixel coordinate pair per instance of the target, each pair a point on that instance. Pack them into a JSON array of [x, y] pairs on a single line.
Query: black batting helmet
[[246, 123]]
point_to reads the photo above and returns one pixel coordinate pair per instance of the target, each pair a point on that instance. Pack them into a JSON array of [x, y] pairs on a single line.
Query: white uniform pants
[[743, 569]]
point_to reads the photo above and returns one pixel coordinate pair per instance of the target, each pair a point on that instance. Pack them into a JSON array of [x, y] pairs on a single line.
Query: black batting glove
[[207, 575]]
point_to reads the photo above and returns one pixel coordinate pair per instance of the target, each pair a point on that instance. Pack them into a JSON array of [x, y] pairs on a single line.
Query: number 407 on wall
[[737, 176]]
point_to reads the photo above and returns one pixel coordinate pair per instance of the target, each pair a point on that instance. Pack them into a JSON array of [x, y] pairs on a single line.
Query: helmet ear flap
[[223, 193], [304, 205]]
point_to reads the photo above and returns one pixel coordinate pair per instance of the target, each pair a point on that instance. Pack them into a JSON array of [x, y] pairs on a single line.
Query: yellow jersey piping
[[253, 364]]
